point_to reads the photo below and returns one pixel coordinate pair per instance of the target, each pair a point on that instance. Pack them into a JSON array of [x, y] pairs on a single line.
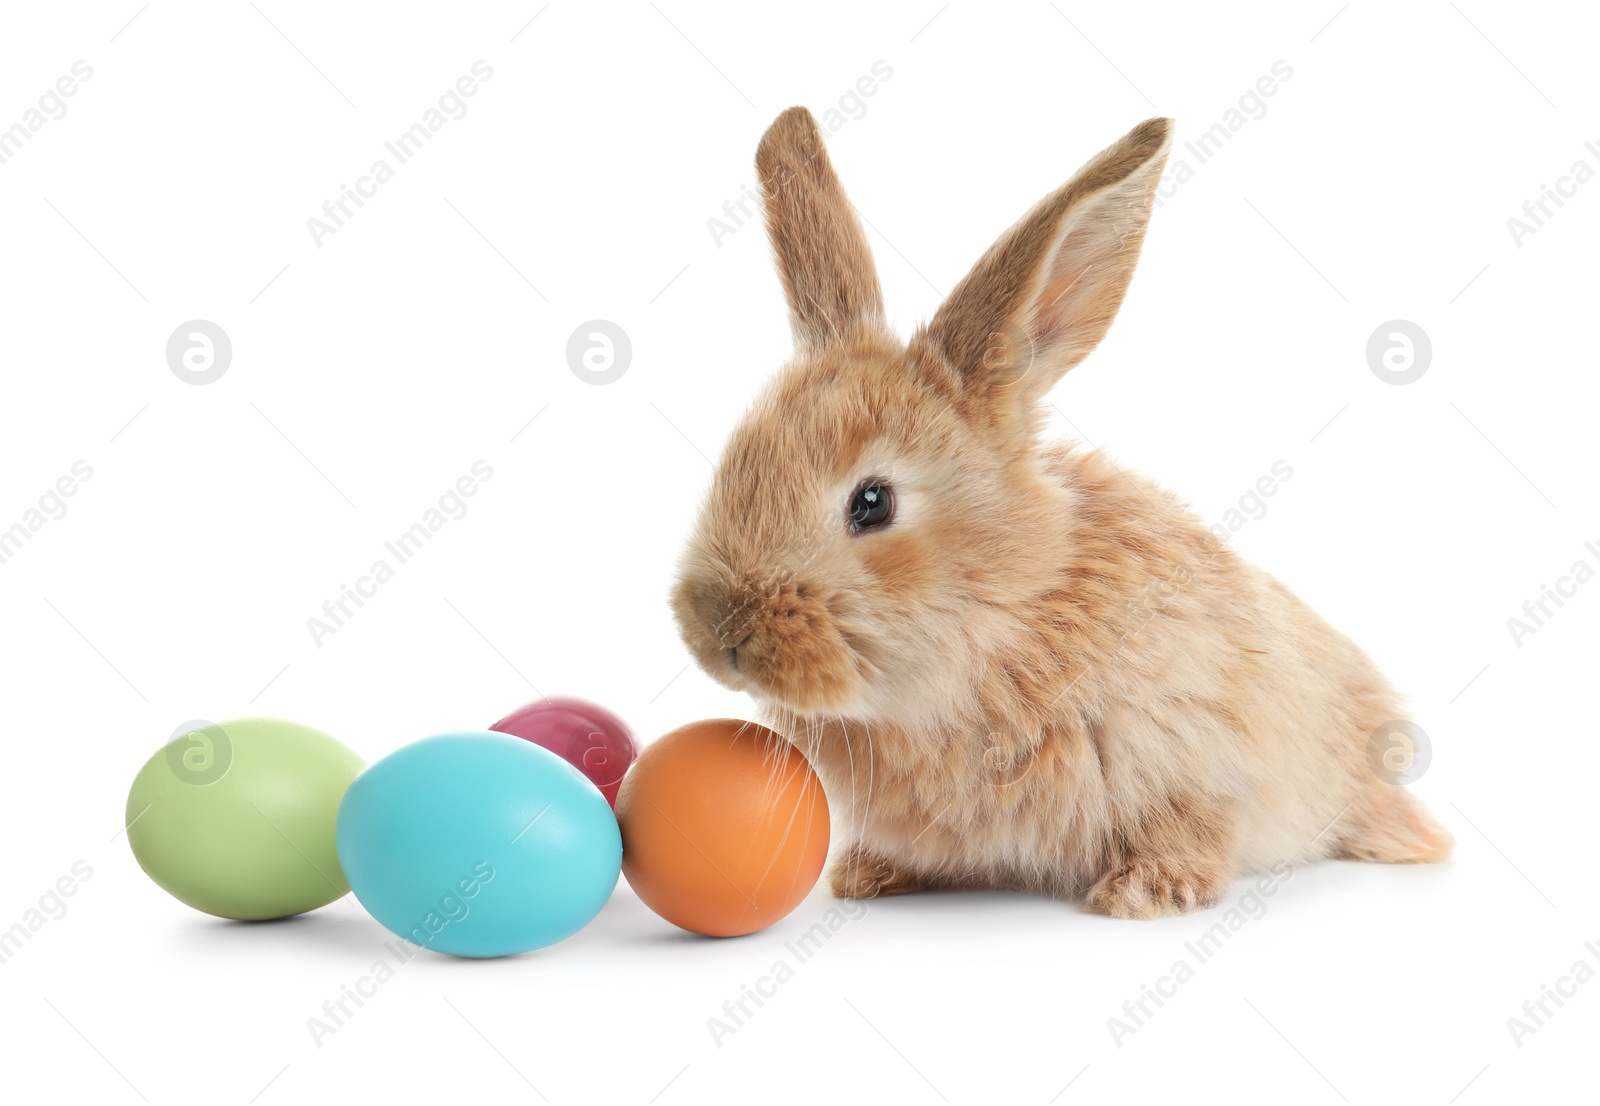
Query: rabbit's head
[[884, 504]]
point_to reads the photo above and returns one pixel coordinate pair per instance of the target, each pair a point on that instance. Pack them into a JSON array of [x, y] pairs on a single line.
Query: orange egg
[[724, 827]]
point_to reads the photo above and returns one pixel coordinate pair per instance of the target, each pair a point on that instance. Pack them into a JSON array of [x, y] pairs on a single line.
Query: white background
[[369, 373]]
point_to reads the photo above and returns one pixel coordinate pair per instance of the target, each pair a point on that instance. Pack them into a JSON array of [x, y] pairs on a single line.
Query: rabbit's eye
[[872, 505]]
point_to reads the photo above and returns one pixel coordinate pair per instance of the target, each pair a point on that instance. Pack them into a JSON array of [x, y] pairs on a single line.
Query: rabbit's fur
[[1043, 673]]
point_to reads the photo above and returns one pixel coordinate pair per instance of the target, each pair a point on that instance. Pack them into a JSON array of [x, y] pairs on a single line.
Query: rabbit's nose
[[736, 623], [721, 607]]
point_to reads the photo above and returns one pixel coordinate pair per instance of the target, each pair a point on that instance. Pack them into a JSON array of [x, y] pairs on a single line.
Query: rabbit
[[1013, 664]]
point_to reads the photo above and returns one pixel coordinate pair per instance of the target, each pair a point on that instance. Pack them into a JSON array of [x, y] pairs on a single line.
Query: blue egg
[[478, 844]]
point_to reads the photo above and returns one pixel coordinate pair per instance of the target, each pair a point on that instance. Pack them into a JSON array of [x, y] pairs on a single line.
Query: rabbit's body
[[1013, 664], [1161, 687]]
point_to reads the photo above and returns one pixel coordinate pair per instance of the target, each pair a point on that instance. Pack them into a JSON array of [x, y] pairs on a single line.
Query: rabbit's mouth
[[779, 642], [733, 650]]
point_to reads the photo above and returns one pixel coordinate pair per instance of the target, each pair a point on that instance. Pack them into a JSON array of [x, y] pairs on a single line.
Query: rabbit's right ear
[[1046, 292], [822, 253]]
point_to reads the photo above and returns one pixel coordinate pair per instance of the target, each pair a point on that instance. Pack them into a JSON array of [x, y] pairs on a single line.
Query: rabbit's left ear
[[1046, 292], [822, 253]]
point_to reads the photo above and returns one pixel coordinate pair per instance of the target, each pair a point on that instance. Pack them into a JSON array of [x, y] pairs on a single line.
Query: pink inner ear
[[1088, 275], [1045, 293]]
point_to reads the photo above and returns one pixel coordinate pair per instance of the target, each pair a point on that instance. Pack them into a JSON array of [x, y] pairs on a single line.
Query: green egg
[[237, 818]]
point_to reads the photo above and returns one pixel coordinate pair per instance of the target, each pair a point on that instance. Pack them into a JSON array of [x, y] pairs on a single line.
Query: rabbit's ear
[[1046, 292], [821, 250]]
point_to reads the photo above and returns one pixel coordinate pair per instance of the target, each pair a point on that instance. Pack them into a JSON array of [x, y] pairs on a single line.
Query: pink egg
[[590, 738]]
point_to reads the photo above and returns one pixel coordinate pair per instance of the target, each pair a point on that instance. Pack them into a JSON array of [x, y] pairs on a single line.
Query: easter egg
[[237, 818], [724, 827], [478, 844], [590, 738]]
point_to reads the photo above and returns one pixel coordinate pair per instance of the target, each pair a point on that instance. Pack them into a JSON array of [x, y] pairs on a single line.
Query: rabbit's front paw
[[859, 874], [1157, 888]]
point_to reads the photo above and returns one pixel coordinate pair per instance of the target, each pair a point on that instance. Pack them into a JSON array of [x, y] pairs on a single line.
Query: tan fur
[[1044, 673]]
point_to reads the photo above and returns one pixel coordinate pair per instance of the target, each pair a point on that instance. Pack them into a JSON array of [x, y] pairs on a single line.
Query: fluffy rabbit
[[1014, 664]]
